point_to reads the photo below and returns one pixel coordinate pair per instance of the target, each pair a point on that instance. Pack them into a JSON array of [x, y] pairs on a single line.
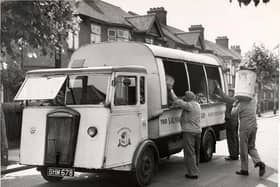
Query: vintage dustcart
[[108, 110]]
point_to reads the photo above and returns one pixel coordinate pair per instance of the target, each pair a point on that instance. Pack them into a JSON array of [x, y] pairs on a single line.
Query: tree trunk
[[4, 139]]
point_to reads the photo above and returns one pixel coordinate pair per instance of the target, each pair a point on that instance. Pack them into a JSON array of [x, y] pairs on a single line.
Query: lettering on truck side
[[217, 113]]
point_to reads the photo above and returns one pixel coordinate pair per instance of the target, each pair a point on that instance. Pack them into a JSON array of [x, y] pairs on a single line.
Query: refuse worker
[[191, 129], [246, 110], [171, 96], [231, 124]]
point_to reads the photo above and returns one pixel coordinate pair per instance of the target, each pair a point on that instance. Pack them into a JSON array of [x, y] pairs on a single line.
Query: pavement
[[13, 154], [13, 163]]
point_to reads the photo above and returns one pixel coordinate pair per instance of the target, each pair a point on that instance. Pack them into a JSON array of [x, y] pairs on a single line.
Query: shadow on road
[[216, 173], [96, 180]]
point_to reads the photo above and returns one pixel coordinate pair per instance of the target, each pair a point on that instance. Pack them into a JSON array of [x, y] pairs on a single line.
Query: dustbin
[[245, 82]]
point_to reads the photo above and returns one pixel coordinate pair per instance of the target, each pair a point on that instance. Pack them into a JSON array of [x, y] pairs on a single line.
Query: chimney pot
[[197, 28], [236, 48], [160, 13], [222, 41]]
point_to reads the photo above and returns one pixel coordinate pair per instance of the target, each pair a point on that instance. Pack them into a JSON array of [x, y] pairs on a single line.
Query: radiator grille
[[61, 139]]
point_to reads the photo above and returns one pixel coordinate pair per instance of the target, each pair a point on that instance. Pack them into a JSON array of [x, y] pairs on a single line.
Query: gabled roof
[[145, 24], [221, 51], [142, 23], [191, 38], [102, 11], [169, 32]]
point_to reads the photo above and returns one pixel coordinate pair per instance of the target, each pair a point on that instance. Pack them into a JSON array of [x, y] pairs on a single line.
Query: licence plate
[[60, 172]]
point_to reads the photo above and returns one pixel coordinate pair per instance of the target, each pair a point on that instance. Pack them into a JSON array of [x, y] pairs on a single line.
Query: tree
[[247, 2], [266, 66], [39, 24]]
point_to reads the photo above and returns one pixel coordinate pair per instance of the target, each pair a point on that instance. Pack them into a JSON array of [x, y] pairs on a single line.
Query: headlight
[[92, 131]]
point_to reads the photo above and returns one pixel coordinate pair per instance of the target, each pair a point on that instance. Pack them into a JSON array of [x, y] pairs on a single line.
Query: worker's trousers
[[232, 138], [191, 144], [247, 146]]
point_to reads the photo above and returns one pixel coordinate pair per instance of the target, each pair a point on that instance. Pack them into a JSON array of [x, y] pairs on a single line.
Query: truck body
[[113, 112]]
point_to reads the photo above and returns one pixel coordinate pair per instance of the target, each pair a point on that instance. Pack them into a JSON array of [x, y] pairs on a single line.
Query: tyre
[[207, 146], [145, 168], [49, 178]]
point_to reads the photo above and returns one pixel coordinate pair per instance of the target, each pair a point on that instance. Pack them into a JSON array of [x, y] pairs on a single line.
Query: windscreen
[[87, 89], [40, 88]]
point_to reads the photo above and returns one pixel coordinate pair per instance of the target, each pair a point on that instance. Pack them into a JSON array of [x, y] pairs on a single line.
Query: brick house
[[104, 22]]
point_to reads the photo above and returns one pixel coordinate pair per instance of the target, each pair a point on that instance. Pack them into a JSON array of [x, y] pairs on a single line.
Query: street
[[216, 173]]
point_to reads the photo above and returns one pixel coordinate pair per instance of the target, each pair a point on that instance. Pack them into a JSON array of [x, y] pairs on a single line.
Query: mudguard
[[141, 147]]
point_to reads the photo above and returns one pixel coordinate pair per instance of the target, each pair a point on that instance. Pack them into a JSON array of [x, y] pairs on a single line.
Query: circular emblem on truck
[[124, 137], [33, 130]]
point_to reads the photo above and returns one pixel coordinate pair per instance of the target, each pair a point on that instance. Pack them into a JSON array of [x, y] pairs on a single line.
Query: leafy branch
[[39, 24], [247, 2]]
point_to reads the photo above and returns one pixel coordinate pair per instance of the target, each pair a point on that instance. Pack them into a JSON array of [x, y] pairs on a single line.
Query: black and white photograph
[[151, 93]]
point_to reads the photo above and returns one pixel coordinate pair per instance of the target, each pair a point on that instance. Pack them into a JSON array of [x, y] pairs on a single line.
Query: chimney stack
[[160, 14], [222, 41], [236, 48], [197, 28]]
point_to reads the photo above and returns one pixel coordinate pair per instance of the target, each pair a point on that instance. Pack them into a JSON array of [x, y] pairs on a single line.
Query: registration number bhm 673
[[60, 172]]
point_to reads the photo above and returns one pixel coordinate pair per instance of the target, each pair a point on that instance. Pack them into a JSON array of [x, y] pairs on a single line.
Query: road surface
[[216, 173]]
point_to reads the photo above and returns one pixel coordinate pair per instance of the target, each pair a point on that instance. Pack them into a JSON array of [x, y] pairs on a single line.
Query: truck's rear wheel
[[207, 146], [145, 167], [44, 174]]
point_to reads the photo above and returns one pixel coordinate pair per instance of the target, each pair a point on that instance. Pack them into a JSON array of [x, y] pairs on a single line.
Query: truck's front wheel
[[145, 167], [44, 174]]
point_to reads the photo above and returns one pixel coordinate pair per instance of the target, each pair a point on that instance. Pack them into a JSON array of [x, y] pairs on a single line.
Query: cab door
[[128, 119]]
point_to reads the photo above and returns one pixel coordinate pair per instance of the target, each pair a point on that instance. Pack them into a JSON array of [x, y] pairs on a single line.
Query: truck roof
[[133, 53], [159, 51], [103, 69]]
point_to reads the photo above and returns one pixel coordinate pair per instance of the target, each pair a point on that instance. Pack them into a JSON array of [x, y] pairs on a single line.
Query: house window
[[112, 35], [73, 40], [118, 35], [95, 35], [123, 35]]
